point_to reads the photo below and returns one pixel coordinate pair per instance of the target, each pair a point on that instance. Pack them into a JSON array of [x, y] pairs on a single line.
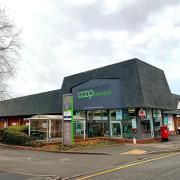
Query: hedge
[[22, 128], [16, 135]]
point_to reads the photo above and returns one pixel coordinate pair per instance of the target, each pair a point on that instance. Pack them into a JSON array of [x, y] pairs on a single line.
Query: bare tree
[[10, 44]]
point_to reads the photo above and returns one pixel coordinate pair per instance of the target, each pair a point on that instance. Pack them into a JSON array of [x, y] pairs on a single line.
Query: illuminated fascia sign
[[92, 93]]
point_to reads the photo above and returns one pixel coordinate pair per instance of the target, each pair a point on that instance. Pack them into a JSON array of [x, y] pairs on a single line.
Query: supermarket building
[[107, 103]]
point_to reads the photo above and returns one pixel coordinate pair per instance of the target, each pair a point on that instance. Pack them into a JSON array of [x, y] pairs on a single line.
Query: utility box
[[164, 133]]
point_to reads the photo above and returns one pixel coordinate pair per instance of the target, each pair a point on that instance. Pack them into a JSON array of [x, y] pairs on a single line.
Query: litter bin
[[164, 133]]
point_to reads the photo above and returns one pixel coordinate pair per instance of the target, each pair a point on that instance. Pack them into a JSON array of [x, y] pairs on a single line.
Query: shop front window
[[147, 126], [104, 115], [169, 122], [97, 115], [157, 122], [79, 124], [127, 123], [116, 123], [97, 123], [122, 122], [116, 129], [79, 128], [89, 115]]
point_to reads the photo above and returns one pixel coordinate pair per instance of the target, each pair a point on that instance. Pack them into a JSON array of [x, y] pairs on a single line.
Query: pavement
[[173, 144], [47, 165]]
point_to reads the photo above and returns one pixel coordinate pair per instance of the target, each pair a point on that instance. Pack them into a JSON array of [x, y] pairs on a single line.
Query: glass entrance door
[[116, 129]]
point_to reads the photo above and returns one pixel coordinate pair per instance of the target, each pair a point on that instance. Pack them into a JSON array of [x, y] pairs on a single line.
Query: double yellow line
[[129, 165]]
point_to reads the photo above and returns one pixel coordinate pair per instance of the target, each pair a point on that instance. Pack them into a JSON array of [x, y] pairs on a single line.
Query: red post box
[[164, 133]]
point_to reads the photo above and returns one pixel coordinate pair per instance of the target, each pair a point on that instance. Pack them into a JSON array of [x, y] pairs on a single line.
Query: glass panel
[[104, 115], [118, 114], [116, 129], [97, 115], [79, 128], [116, 125], [97, 123], [150, 118], [79, 122], [127, 128], [157, 127], [157, 122], [97, 129], [146, 128], [89, 115], [113, 114], [80, 114], [56, 128], [39, 129], [128, 118]]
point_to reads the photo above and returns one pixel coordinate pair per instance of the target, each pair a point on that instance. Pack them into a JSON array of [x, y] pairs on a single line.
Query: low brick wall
[[172, 133], [119, 140], [101, 139]]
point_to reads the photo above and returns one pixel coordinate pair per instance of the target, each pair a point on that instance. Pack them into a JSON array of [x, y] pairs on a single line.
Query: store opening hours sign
[[68, 132]]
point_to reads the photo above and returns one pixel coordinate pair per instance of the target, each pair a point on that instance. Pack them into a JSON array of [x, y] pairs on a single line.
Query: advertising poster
[[170, 123], [119, 115], [134, 124]]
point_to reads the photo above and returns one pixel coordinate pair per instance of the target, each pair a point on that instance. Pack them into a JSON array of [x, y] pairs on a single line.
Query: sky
[[64, 37]]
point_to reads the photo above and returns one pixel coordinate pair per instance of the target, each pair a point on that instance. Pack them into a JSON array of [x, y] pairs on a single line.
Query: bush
[[1, 133], [16, 135], [23, 128]]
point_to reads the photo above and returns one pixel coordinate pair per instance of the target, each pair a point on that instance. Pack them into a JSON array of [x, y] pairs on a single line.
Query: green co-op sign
[[98, 94], [92, 93]]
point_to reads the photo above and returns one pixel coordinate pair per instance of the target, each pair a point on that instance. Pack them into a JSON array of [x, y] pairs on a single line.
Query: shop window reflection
[[127, 123], [121, 123], [79, 124], [146, 128]]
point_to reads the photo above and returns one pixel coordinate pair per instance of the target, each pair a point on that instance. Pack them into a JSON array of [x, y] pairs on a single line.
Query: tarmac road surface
[[24, 164], [15, 176], [163, 167]]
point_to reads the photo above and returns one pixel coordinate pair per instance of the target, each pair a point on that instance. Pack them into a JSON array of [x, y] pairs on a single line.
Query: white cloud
[[66, 37]]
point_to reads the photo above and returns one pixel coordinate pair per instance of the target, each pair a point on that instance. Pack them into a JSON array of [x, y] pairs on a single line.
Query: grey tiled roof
[[143, 85], [175, 112], [43, 103], [176, 99]]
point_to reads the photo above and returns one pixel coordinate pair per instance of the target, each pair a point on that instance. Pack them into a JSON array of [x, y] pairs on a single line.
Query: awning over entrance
[[175, 112]]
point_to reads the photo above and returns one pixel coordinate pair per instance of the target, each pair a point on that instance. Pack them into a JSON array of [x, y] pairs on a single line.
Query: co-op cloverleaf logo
[[92, 93]]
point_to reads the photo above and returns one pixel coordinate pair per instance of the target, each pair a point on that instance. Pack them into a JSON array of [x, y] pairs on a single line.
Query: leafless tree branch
[[10, 45]]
